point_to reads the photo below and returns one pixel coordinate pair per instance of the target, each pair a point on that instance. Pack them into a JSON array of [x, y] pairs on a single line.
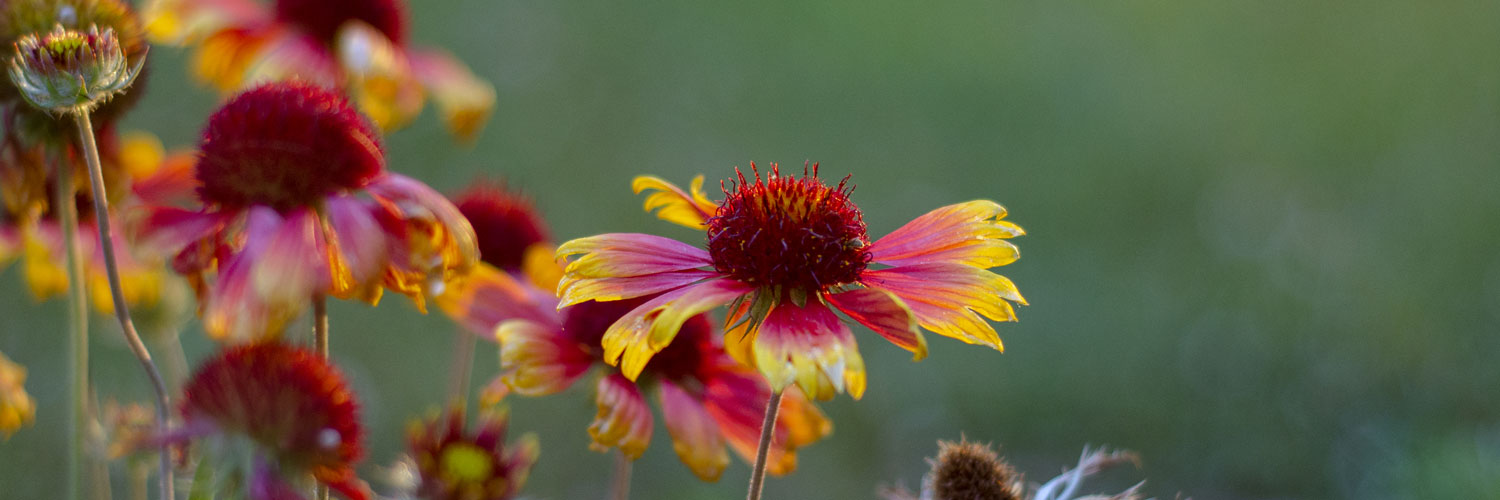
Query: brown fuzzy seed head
[[971, 471]]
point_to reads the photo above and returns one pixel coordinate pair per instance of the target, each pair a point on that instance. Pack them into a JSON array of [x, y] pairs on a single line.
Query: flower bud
[[66, 70]]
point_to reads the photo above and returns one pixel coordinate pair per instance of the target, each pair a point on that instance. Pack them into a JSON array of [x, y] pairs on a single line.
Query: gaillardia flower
[[706, 398], [358, 45], [280, 172], [284, 409], [66, 70], [786, 252], [455, 465]]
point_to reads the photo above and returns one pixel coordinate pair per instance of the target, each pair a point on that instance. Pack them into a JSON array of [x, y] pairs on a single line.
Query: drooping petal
[[640, 334], [883, 313], [691, 209], [949, 298], [232, 310], [806, 345], [736, 399], [168, 230], [695, 435], [357, 248], [464, 99], [968, 233], [438, 243], [489, 296], [294, 266], [537, 359], [171, 182], [623, 420], [380, 77]]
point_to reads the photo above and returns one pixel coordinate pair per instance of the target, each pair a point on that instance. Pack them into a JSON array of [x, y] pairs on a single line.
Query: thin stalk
[[620, 490], [78, 331], [320, 342], [767, 429], [462, 367], [122, 311]]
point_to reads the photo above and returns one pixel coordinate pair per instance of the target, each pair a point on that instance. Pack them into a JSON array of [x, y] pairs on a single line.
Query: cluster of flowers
[[287, 200]]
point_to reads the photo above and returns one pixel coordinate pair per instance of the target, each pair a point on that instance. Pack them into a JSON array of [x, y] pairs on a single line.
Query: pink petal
[[232, 311], [168, 230], [695, 435], [489, 296], [632, 340], [464, 100], [294, 267], [811, 347], [359, 240], [966, 233], [539, 359], [607, 289], [623, 420], [949, 298], [630, 254], [883, 313]]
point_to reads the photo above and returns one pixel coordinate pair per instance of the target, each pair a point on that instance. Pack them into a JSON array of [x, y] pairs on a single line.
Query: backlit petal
[[294, 266], [623, 420], [168, 230], [632, 340], [883, 313], [623, 265], [380, 78], [538, 359], [809, 346], [736, 398], [464, 99], [967, 233], [438, 244], [671, 204], [949, 298], [232, 311], [357, 247], [489, 296], [695, 435]]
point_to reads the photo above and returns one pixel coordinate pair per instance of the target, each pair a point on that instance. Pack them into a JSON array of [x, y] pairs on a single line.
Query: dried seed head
[[68, 70], [970, 471]]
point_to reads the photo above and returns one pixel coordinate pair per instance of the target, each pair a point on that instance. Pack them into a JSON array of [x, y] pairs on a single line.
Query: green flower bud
[[68, 71]]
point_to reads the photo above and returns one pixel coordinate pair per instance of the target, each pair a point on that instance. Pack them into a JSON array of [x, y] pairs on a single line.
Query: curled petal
[[380, 76], [632, 340], [464, 99], [948, 298], [623, 420], [883, 313], [966, 233], [806, 345], [538, 359], [172, 181], [691, 209], [438, 243], [695, 434]]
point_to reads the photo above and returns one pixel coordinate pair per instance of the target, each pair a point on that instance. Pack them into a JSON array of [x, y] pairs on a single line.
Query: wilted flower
[[358, 45], [785, 252], [285, 409], [280, 171], [67, 71], [455, 465], [16, 407], [973, 471]]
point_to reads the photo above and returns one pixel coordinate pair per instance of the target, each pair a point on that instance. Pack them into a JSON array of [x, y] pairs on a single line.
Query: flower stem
[[320, 342], [78, 331], [620, 490], [462, 367], [767, 429], [122, 311]]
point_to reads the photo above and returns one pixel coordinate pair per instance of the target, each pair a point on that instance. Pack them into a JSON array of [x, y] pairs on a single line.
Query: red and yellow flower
[[454, 465], [708, 401], [291, 406], [280, 176], [785, 252], [359, 45]]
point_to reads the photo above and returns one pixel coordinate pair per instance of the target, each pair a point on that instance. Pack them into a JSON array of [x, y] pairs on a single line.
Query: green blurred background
[[1262, 253]]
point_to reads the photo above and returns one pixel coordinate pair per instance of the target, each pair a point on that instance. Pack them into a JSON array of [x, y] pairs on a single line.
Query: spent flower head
[[67, 71]]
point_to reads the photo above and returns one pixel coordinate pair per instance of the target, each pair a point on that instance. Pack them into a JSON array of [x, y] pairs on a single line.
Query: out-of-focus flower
[[67, 71], [274, 415], [707, 399], [359, 45], [280, 172], [973, 471], [32, 233], [785, 252], [16, 407], [455, 465]]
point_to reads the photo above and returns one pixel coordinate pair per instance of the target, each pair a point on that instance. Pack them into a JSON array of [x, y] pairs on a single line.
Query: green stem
[[767, 429], [78, 331], [122, 310], [320, 341], [462, 367]]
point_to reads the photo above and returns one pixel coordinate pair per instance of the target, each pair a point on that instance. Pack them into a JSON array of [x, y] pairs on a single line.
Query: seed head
[[970, 471], [68, 70]]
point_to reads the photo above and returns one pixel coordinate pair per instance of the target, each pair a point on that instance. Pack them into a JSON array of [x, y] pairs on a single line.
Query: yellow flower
[[16, 407]]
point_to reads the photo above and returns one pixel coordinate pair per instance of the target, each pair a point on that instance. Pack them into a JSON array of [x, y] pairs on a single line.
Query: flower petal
[[357, 247], [380, 76], [807, 345], [624, 265], [607, 289], [489, 296], [966, 233], [736, 398], [948, 298], [623, 420], [168, 230], [695, 436], [539, 359], [632, 340], [464, 99], [438, 243], [883, 313], [232, 311], [294, 266], [673, 205]]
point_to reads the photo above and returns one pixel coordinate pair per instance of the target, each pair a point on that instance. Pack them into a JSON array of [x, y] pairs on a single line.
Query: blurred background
[[1262, 245]]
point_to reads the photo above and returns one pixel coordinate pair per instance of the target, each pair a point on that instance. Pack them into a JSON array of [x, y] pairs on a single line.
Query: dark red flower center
[[286, 145], [506, 224], [323, 18], [287, 399], [795, 233]]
